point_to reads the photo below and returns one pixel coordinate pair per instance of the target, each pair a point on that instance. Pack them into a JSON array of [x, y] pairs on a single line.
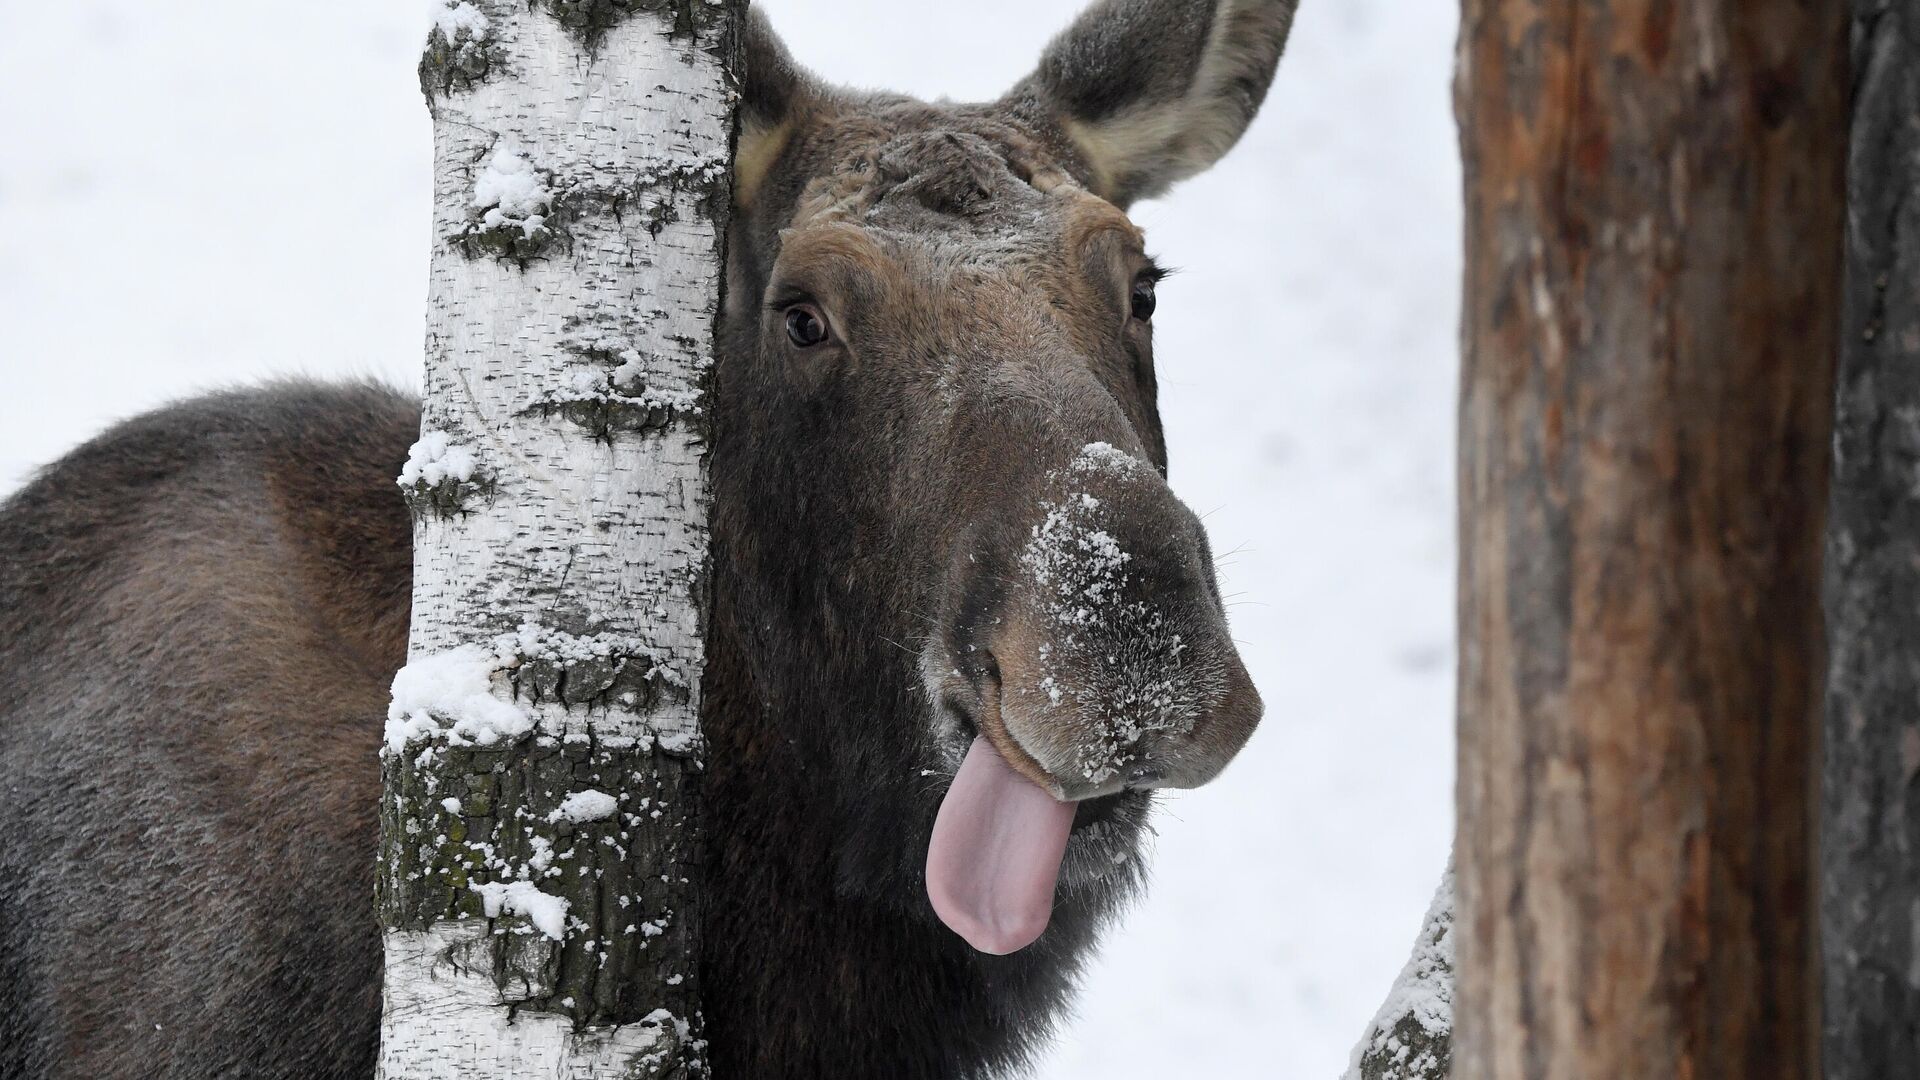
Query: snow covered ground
[[194, 195]]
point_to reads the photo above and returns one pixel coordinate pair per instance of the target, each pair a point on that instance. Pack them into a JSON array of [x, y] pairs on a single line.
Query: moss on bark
[[460, 818]]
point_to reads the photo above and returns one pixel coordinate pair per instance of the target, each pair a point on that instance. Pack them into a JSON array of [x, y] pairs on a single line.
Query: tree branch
[[1411, 1037]]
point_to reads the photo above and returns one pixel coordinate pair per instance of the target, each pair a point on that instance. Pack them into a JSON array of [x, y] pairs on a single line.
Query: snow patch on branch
[[509, 191], [451, 693], [532, 641], [625, 386], [584, 806], [547, 913], [451, 18], [1411, 1037], [436, 459]]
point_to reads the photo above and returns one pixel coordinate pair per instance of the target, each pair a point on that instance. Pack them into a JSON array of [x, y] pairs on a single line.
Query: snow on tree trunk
[[1411, 1037], [1870, 896], [538, 852], [1655, 204]]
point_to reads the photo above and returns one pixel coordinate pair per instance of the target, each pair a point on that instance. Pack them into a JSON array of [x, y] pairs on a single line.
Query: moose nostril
[[990, 668], [973, 683], [1144, 775]]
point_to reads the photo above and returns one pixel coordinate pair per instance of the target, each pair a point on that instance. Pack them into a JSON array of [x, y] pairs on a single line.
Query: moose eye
[[805, 327], [1143, 299]]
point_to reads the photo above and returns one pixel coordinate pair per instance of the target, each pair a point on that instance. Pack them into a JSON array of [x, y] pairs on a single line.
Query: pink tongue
[[996, 853]]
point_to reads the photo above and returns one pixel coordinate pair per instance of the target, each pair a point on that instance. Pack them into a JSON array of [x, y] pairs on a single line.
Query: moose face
[[941, 465]]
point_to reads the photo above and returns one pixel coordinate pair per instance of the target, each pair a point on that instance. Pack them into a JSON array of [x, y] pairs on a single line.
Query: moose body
[[941, 535]]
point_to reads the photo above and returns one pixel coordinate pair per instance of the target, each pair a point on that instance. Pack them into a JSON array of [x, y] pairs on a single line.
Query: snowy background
[[194, 195]]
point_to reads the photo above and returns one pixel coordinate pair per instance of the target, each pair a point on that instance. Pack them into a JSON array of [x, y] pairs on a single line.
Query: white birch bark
[[542, 750]]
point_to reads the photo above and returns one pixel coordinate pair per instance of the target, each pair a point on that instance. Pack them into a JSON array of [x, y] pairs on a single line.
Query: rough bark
[[1411, 1037], [1870, 896], [537, 883], [1654, 211]]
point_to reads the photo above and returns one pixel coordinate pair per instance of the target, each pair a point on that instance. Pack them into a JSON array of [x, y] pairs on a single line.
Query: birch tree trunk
[[1870, 853], [538, 878], [1655, 203]]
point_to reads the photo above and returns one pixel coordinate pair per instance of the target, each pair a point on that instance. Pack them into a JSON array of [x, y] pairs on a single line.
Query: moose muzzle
[[1108, 665]]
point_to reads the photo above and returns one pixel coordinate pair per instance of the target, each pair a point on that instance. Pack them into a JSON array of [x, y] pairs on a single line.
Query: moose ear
[[772, 88], [1151, 92]]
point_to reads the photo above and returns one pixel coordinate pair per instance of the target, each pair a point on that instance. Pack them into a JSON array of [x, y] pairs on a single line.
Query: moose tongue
[[995, 854]]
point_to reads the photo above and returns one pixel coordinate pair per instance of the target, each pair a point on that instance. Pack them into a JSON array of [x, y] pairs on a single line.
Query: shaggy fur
[[199, 614], [201, 610]]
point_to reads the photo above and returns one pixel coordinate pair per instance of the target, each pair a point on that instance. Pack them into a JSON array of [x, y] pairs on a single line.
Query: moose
[[934, 423]]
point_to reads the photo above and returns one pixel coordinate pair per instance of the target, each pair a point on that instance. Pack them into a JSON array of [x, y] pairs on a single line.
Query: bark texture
[[1870, 896], [537, 883], [1411, 1037], [1654, 211]]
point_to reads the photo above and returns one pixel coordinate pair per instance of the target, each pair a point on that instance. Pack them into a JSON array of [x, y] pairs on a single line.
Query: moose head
[[949, 560]]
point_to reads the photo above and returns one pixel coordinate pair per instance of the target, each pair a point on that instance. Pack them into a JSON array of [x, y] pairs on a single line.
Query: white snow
[[594, 386], [547, 913], [509, 190], [584, 806], [451, 693], [434, 458], [451, 18], [1105, 457], [1305, 353], [1119, 660], [1077, 565], [450, 805], [1422, 993], [540, 862], [532, 641]]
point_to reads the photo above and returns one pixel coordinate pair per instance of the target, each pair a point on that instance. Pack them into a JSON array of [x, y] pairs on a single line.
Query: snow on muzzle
[[1114, 670]]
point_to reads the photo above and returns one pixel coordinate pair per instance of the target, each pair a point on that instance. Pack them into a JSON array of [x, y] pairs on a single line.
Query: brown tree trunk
[[1870, 909], [1654, 211]]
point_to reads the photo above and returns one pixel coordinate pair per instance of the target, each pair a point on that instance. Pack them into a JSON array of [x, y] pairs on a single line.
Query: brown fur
[[238, 568], [201, 610]]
